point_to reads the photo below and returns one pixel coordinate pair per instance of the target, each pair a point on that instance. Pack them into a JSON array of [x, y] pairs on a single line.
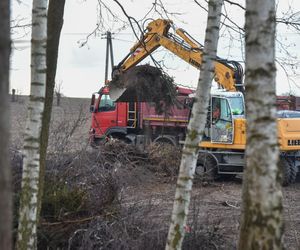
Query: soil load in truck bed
[[143, 83]]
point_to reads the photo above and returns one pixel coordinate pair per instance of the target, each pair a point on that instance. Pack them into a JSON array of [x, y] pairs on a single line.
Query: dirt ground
[[218, 205], [72, 113], [215, 208]]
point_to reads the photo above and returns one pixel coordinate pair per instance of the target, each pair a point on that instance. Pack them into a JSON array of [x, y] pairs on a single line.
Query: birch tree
[[27, 229], [261, 225], [195, 129], [5, 180]]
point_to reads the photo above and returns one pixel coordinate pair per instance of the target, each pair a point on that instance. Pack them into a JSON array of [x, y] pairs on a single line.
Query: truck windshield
[[106, 104], [237, 105]]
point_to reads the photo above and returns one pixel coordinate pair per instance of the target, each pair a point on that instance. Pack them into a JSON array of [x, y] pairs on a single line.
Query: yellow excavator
[[223, 146]]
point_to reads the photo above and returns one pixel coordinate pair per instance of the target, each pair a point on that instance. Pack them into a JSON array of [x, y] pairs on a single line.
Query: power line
[[86, 33]]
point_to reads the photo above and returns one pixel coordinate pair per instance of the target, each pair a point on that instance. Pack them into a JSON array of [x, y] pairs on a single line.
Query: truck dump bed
[[176, 116]]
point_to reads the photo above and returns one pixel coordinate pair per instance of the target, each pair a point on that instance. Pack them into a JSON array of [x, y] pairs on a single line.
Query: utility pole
[[109, 52]]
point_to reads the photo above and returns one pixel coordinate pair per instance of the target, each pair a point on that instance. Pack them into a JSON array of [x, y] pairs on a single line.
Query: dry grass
[[70, 123]]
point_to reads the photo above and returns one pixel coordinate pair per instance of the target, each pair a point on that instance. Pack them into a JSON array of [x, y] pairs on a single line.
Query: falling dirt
[[145, 83]]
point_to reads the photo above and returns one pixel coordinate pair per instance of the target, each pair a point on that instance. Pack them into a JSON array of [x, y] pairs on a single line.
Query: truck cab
[[108, 117]]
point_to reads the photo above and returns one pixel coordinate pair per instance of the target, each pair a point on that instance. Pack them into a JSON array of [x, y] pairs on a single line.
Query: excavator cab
[[221, 120]]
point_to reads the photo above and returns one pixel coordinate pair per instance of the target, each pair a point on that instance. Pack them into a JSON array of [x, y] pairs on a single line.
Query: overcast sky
[[81, 69]]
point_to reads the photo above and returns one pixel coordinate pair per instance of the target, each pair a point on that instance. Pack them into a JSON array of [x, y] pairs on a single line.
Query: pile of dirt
[[144, 83]]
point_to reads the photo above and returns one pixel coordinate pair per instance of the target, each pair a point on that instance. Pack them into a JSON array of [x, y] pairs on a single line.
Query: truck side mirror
[[92, 106]]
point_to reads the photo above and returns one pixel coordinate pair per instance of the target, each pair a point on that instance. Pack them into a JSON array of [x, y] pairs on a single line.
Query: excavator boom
[[228, 74]]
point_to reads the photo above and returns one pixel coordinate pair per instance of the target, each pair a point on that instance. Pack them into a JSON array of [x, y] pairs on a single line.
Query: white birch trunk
[[27, 229], [261, 225], [195, 129]]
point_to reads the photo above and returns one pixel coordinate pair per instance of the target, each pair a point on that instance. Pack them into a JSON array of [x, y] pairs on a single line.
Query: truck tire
[[288, 171], [167, 139], [206, 167]]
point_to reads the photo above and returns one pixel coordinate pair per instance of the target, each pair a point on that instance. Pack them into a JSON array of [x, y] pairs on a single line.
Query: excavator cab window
[[221, 121], [106, 104], [237, 106]]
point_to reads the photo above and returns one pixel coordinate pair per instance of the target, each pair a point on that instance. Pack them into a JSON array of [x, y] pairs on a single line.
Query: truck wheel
[[168, 140], [288, 172], [206, 167]]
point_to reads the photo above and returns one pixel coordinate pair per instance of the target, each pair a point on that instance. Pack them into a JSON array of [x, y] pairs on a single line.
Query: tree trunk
[[5, 179], [261, 221], [54, 26], [195, 129], [27, 229]]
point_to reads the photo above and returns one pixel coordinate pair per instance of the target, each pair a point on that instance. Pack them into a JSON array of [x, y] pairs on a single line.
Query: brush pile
[[87, 187]]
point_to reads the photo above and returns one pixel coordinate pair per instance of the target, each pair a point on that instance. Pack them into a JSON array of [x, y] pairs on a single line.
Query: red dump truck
[[131, 121]]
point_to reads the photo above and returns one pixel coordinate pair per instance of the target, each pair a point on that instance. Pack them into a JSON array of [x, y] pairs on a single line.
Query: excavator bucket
[[142, 83], [116, 93]]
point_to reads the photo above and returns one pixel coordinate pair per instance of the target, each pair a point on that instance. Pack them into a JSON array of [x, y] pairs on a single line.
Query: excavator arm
[[228, 74]]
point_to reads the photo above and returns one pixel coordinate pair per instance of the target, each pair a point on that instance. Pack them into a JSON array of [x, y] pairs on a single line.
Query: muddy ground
[[139, 214]]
